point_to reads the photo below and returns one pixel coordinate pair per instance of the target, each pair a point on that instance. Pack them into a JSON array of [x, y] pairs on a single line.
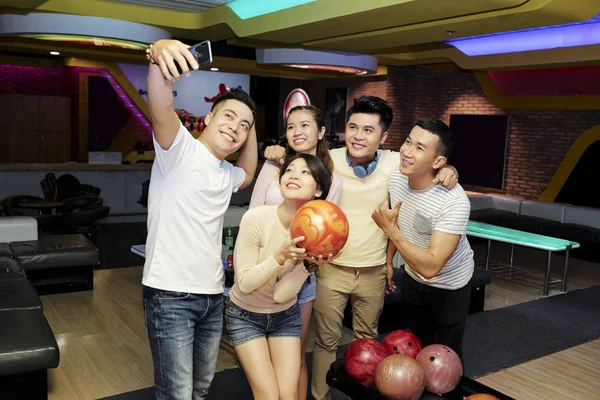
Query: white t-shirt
[[189, 192], [435, 209]]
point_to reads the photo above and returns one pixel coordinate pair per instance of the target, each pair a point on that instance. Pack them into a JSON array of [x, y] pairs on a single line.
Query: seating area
[[28, 347], [67, 206], [30, 266], [53, 263], [560, 220]]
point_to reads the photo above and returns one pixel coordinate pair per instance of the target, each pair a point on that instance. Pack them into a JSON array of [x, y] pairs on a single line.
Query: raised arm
[[165, 123], [275, 153], [248, 159], [261, 186], [335, 191]]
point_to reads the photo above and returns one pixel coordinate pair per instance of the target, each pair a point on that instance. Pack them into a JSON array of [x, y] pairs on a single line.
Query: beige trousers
[[365, 287]]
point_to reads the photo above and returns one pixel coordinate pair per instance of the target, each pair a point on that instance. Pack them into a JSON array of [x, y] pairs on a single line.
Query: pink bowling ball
[[442, 367]]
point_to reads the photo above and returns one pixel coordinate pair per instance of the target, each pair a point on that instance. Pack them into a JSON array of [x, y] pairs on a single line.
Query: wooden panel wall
[[35, 129]]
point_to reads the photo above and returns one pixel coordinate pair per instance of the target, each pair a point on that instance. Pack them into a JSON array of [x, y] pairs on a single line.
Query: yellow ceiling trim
[[318, 11], [141, 14], [579, 146], [532, 13], [23, 3]]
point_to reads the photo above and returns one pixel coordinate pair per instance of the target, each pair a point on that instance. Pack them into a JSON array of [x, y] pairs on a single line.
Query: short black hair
[[373, 105], [318, 169], [442, 131], [239, 95]]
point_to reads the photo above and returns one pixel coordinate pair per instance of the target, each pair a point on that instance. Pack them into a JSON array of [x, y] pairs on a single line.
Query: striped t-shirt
[[435, 209]]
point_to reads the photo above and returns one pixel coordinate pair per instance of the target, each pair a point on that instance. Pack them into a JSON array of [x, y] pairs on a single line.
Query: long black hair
[[322, 144]]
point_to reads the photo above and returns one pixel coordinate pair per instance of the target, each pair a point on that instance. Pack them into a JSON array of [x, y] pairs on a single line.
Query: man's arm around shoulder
[[248, 159]]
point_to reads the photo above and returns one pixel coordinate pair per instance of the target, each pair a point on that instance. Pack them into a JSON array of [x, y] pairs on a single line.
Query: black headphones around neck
[[361, 171]]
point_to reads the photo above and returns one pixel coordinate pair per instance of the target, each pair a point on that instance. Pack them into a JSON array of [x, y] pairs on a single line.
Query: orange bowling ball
[[324, 227]]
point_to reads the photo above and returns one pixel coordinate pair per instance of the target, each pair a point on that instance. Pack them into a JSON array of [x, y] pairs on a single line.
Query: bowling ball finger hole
[[432, 358], [410, 344]]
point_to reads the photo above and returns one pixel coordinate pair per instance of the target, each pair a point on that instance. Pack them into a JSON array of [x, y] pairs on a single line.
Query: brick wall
[[538, 140], [28, 80]]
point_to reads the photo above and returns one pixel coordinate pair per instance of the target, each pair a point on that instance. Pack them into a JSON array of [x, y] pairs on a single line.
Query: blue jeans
[[184, 330], [308, 291], [244, 326]]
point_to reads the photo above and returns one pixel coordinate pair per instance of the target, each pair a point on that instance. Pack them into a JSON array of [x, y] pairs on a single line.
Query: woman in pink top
[[305, 132], [262, 314]]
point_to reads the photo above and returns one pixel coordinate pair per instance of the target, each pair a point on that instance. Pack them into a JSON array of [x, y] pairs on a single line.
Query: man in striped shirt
[[427, 226]]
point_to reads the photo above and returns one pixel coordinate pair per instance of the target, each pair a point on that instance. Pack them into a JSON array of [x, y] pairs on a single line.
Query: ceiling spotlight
[[214, 69], [55, 53]]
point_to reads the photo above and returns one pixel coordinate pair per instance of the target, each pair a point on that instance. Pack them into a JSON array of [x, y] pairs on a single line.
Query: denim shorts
[[308, 292], [244, 326]]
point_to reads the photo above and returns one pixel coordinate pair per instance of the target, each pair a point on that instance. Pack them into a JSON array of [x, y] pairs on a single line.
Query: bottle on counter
[[229, 272]]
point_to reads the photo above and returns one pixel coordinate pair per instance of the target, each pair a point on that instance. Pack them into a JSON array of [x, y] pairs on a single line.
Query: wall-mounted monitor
[[479, 152]]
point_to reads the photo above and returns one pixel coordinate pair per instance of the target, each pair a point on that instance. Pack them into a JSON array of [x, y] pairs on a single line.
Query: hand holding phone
[[175, 58], [201, 52]]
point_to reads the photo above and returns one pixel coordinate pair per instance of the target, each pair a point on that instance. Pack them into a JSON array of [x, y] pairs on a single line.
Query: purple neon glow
[[123, 97], [544, 38]]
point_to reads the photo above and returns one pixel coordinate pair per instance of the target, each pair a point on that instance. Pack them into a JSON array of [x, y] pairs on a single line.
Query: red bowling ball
[[361, 359], [442, 367], [402, 342]]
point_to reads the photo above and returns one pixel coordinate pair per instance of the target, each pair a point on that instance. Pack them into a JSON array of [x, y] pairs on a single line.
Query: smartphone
[[203, 54]]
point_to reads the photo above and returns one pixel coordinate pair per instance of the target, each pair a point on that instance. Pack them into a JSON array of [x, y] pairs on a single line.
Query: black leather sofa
[[56, 263], [28, 347], [393, 317]]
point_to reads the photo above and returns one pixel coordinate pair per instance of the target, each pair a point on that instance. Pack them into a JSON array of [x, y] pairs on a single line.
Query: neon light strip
[[558, 36], [125, 100]]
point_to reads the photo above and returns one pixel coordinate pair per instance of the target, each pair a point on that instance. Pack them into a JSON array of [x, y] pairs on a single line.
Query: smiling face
[[363, 137], [227, 128], [298, 183], [420, 154], [302, 132]]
